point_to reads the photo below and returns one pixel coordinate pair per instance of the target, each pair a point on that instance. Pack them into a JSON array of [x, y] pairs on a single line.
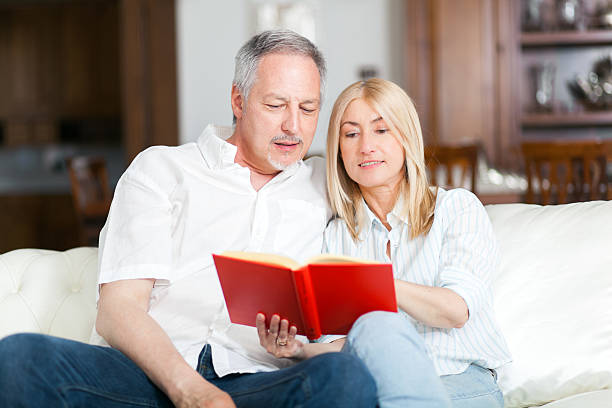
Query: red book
[[324, 296]]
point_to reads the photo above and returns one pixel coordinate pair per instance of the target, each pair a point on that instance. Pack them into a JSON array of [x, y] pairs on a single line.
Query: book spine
[[308, 305]]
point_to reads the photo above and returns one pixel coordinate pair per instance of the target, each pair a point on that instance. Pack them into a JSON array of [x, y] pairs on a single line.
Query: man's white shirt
[[176, 206]]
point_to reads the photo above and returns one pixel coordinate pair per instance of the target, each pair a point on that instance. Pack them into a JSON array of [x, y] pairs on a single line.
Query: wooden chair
[[91, 195], [561, 172], [450, 162]]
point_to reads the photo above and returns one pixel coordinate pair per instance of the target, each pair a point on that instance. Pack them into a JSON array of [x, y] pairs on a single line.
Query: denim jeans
[[395, 354], [476, 387], [44, 371]]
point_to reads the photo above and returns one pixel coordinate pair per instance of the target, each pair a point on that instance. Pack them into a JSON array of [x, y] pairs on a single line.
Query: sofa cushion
[[553, 297], [599, 399], [48, 292]]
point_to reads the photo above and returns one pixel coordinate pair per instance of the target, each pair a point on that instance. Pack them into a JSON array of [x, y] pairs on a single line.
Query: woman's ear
[[237, 102]]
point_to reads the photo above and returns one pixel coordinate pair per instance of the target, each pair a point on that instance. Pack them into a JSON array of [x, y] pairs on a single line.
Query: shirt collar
[[217, 153], [394, 218], [220, 154]]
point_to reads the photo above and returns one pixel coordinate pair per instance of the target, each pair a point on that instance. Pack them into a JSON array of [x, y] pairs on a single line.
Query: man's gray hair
[[268, 42]]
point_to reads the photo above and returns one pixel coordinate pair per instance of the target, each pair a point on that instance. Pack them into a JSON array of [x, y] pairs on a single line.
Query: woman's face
[[372, 155]]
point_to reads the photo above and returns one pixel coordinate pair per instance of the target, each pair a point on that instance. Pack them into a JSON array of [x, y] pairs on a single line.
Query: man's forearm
[[127, 326]]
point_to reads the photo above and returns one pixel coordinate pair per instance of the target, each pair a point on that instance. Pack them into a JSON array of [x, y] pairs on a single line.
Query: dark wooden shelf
[[582, 119], [564, 38]]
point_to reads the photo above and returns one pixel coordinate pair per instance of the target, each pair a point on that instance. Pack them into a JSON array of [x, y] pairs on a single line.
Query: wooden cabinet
[[468, 70], [458, 68], [571, 53], [102, 70]]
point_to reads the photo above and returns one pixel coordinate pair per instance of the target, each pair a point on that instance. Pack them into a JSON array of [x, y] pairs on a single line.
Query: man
[[160, 304]]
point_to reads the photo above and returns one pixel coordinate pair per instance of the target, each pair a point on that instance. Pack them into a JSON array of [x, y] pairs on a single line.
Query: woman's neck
[[381, 201]]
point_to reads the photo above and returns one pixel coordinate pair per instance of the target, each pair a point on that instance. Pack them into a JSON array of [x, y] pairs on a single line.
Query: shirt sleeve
[[136, 241], [470, 253], [328, 338]]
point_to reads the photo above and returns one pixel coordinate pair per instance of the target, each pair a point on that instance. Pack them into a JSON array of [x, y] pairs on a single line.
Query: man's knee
[[346, 377], [18, 353], [17, 346]]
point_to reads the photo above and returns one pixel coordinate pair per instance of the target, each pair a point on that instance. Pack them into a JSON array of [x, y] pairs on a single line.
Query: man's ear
[[237, 102]]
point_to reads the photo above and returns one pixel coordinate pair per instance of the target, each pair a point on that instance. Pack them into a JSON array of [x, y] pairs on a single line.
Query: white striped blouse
[[460, 253]]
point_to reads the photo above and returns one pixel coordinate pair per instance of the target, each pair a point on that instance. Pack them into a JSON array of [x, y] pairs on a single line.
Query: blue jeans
[[43, 371], [476, 387], [395, 354]]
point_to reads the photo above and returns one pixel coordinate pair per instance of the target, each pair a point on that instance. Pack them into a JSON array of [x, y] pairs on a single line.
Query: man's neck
[[259, 180], [258, 177]]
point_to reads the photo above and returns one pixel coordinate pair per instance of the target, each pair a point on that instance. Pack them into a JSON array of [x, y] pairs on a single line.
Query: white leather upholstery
[[48, 292], [55, 292]]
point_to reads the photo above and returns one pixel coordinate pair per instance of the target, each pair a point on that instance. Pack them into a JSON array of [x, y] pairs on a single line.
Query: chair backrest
[[561, 172], [456, 166], [91, 195]]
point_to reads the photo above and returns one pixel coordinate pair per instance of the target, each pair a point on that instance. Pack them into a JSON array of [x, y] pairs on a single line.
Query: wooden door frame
[[500, 134], [148, 74]]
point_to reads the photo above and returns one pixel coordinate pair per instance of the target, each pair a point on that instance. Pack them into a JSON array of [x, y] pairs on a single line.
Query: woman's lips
[[370, 163]]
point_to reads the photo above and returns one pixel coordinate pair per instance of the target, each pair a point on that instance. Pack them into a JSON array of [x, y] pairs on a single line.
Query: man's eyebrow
[[275, 96], [284, 99]]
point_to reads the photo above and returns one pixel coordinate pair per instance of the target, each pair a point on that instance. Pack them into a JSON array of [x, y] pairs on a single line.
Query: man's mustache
[[286, 138]]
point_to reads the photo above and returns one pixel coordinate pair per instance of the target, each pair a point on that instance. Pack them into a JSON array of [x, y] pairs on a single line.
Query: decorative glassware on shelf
[[550, 15], [535, 16], [603, 15], [543, 85], [594, 89], [570, 14]]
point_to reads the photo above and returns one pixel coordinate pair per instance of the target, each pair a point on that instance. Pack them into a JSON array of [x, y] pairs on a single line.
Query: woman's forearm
[[433, 306], [313, 349]]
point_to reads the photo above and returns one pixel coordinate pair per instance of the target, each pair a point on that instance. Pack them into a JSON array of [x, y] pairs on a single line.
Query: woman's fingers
[[279, 338], [262, 331], [283, 333], [274, 327], [292, 332]]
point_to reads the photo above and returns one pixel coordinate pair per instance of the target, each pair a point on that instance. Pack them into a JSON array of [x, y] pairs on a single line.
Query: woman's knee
[[381, 326]]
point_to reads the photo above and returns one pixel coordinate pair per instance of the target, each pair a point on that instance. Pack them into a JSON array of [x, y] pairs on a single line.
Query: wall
[[350, 33]]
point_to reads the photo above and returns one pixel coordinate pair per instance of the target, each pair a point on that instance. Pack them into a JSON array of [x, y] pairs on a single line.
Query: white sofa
[[553, 298]]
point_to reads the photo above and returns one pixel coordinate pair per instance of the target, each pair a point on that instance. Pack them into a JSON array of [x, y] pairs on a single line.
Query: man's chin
[[283, 163]]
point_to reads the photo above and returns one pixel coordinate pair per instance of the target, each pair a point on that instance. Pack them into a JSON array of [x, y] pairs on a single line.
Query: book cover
[[324, 296]]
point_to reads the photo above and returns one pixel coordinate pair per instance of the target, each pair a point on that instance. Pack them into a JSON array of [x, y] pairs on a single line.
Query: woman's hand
[[279, 339]]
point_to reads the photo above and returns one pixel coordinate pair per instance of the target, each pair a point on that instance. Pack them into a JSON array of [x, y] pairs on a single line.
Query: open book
[[324, 296]]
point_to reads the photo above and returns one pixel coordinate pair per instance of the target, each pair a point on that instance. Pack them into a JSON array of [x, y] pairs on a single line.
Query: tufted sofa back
[[48, 292]]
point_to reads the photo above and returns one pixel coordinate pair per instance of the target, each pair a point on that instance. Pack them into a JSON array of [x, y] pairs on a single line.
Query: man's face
[[280, 118]]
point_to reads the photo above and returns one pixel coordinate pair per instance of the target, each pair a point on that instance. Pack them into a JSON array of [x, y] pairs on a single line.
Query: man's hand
[[279, 340], [198, 394]]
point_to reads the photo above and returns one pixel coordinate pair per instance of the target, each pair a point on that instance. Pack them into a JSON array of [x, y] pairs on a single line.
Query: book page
[[273, 259], [333, 258]]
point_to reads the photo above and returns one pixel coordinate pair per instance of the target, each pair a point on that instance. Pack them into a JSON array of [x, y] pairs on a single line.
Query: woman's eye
[[382, 131], [350, 134]]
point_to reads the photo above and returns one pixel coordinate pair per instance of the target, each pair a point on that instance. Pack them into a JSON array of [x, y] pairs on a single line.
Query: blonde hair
[[399, 113]]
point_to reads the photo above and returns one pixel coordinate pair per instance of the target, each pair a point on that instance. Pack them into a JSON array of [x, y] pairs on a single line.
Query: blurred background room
[[515, 96]]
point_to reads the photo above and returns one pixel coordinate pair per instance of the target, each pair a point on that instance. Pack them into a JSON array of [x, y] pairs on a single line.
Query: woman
[[444, 343]]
